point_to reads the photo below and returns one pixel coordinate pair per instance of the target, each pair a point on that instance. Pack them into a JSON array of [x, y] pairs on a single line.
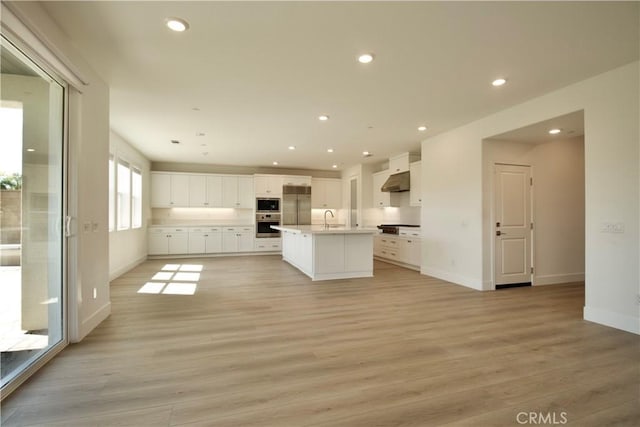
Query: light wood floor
[[259, 344]]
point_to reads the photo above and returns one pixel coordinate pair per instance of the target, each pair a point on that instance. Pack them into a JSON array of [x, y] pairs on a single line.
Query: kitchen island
[[325, 253]]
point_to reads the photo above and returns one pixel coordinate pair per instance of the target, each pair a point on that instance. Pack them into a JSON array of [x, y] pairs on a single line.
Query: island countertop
[[320, 229]]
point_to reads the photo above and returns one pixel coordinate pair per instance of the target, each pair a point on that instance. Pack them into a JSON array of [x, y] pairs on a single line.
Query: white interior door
[[513, 224]]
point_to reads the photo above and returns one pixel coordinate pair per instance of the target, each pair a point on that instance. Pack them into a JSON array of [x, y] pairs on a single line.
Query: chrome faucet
[[325, 217]]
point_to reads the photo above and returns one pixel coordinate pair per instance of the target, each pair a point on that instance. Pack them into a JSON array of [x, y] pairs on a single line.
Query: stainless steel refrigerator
[[296, 205]]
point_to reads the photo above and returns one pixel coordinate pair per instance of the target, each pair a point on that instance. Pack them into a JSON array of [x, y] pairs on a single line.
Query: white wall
[[128, 248], [88, 155], [558, 205], [453, 198]]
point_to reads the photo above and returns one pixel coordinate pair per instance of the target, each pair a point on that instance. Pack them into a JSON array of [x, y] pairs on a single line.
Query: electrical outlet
[[94, 226], [86, 227], [618, 227]]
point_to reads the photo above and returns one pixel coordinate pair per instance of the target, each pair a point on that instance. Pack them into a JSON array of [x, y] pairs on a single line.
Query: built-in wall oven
[[264, 221]]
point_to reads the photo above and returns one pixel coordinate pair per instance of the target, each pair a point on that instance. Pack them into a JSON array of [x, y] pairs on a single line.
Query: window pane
[[136, 198], [112, 195], [124, 196]]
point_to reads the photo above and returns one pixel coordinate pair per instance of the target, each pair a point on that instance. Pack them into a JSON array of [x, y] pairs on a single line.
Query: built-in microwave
[[264, 204]]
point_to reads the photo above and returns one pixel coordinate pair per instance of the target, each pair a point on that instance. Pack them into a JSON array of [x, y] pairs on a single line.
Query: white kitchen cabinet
[[415, 177], [268, 185], [169, 190], [237, 239], [403, 250], [381, 199], [400, 163], [205, 191], [326, 193], [207, 240], [296, 180], [268, 244], [168, 241], [237, 192]]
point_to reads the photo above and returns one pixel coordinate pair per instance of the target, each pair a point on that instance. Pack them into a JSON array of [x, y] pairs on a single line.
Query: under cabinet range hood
[[396, 183]]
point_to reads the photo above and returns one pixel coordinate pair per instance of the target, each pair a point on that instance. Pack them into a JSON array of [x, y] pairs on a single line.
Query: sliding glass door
[[32, 247]]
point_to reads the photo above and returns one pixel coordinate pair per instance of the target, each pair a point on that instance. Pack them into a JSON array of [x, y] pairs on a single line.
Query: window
[[124, 196], [112, 194], [136, 198]]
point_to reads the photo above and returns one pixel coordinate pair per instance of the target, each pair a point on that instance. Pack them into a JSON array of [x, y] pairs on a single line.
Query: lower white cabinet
[[404, 249], [237, 239], [168, 241], [206, 240], [268, 244]]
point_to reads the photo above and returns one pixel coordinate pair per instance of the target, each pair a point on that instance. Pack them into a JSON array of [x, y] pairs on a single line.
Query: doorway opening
[[550, 167]]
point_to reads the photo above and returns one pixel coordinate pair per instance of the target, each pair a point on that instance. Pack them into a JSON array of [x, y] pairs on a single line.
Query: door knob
[[500, 233]]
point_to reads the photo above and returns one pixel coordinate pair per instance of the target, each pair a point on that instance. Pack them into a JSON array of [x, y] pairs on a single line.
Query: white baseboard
[[453, 278], [91, 322], [554, 279], [120, 271], [612, 319]]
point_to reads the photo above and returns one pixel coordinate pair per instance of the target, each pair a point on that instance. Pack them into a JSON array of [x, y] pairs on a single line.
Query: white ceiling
[[571, 126], [261, 73]]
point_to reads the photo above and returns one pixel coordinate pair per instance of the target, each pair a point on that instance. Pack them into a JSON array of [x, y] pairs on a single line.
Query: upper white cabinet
[[296, 180], [169, 190], [400, 163], [326, 193], [268, 185], [381, 199], [237, 192], [415, 177], [205, 191]]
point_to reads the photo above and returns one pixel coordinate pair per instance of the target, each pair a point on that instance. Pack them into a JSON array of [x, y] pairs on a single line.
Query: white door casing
[[512, 231]]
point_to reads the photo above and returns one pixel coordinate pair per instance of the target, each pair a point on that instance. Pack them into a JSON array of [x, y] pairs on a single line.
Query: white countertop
[[320, 229]]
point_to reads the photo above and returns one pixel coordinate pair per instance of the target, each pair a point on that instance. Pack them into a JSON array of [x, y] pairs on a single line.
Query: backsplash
[[202, 216]]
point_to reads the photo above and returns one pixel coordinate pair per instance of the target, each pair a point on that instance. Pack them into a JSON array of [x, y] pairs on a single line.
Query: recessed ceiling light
[[292, 147], [31, 150], [177, 24], [334, 166], [365, 58], [329, 150], [366, 154], [555, 131], [323, 118], [175, 141], [499, 82], [422, 128], [195, 109], [275, 163]]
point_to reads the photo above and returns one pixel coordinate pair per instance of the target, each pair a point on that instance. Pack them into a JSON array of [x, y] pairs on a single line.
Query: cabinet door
[[261, 185], [197, 190], [178, 242], [160, 190], [412, 251], [295, 180], [246, 198], [214, 192], [158, 243], [380, 199], [229, 191], [213, 242], [399, 163], [180, 191], [306, 252], [333, 194], [245, 242], [197, 243], [415, 177], [318, 194], [229, 241]]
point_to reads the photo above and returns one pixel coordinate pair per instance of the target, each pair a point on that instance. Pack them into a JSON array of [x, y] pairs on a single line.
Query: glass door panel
[[31, 212]]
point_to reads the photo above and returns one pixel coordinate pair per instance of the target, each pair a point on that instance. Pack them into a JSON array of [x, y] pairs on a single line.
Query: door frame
[[492, 221]]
